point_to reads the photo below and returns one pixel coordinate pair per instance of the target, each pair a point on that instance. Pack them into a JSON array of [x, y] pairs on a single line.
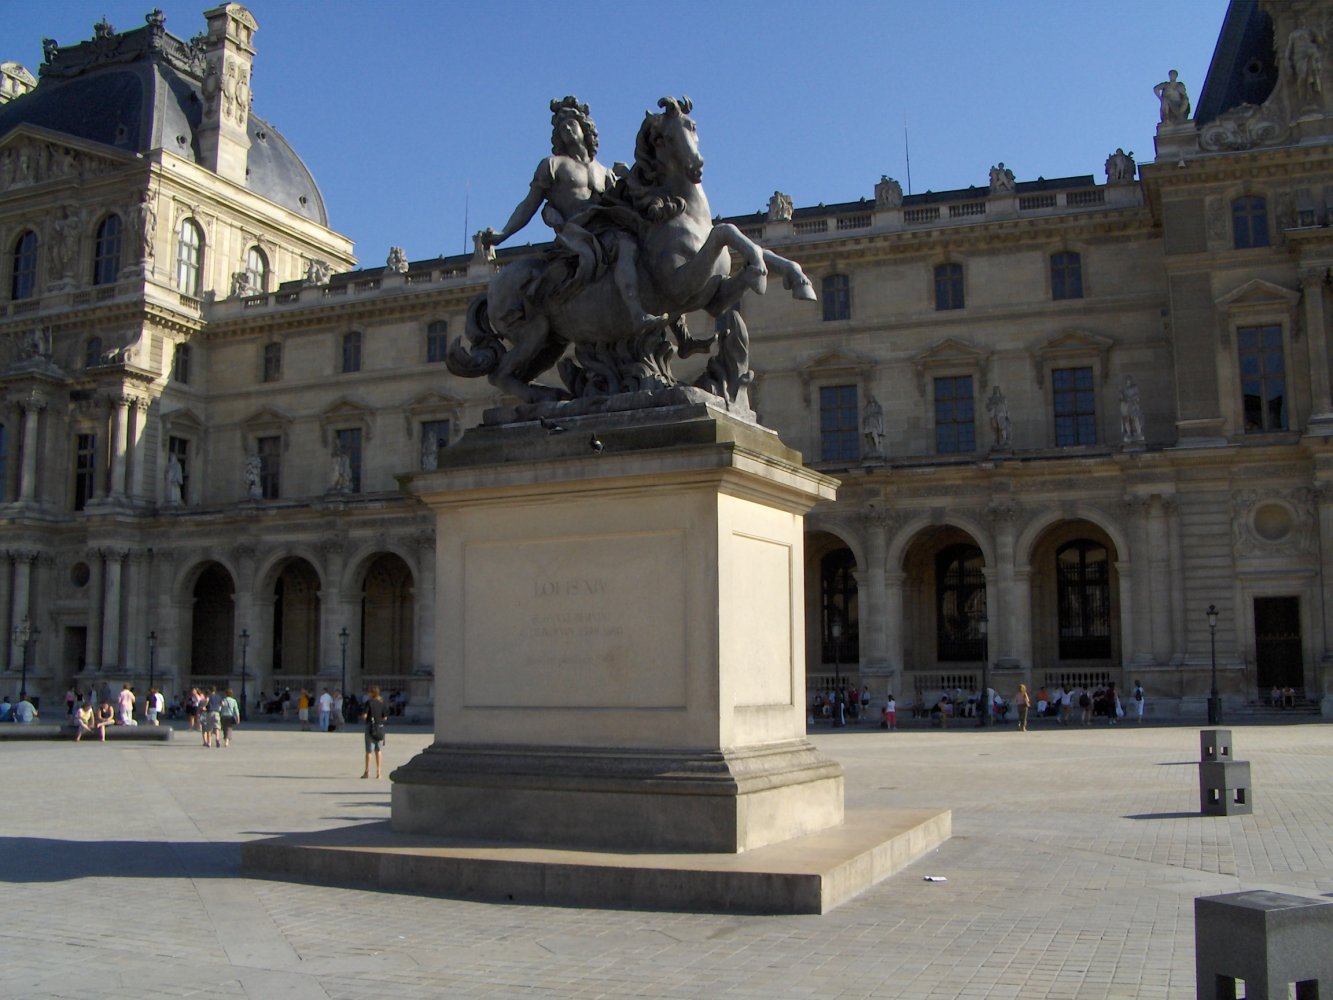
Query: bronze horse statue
[[515, 333]]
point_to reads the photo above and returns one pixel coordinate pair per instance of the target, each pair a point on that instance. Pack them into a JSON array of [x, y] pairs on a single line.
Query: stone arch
[[1035, 528], [212, 619], [825, 545], [291, 604], [947, 566], [388, 612], [910, 531]]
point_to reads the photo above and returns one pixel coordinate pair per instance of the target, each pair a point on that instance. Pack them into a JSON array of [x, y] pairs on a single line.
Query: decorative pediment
[[267, 422], [345, 413], [181, 421], [953, 355], [1258, 294], [31, 155], [1071, 347], [837, 363], [431, 405]]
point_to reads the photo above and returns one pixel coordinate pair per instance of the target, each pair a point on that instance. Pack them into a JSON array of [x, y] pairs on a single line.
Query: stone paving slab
[[1074, 863]]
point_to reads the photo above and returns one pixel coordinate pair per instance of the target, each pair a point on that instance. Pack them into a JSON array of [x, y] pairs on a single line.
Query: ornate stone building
[[1069, 415]]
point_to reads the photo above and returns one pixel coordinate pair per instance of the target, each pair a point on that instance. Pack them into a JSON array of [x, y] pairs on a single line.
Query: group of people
[[1098, 702], [840, 704], [214, 712], [23, 710]]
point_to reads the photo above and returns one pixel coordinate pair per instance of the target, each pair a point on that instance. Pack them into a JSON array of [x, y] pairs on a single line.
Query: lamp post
[[342, 639], [835, 630], [245, 643], [152, 658], [1214, 705], [25, 634], [983, 626]]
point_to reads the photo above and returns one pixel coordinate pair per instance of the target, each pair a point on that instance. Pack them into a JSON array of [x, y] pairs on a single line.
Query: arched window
[[1249, 223], [23, 282], [256, 269], [960, 601], [92, 352], [837, 596], [106, 261], [189, 258], [352, 351], [1083, 579]]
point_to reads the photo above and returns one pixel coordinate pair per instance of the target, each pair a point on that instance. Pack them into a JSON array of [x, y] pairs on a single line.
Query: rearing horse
[[682, 264]]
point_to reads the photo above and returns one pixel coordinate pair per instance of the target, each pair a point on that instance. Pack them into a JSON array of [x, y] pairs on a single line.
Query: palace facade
[[1069, 416]]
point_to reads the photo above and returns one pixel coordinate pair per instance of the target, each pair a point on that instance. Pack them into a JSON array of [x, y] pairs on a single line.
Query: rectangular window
[[349, 443], [4, 463], [955, 415], [839, 434], [437, 341], [1249, 223], [1066, 276], [269, 450], [1075, 407], [352, 352], [434, 436], [85, 469], [180, 364], [1263, 378], [272, 362], [837, 296], [179, 448], [948, 287]]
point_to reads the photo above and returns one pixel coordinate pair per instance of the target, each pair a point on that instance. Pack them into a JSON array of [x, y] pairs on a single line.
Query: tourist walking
[[229, 714], [1022, 702], [1138, 702], [890, 713], [303, 710], [376, 714], [126, 701], [325, 710], [210, 719]]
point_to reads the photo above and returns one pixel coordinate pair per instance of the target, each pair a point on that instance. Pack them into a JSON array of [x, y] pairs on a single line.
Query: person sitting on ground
[[25, 711], [1288, 699], [83, 721], [106, 716]]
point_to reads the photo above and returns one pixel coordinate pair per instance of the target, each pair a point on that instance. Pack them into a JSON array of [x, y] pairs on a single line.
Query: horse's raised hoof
[[756, 278], [802, 290], [689, 346]]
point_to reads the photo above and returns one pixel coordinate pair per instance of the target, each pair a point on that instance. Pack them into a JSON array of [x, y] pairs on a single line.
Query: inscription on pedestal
[[580, 622]]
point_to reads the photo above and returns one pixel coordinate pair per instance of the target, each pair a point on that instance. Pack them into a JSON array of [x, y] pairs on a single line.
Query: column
[[1316, 338], [6, 619], [1140, 638], [332, 613], [111, 610], [261, 639], [1022, 605], [92, 654], [1324, 668], [119, 429], [136, 611], [870, 585], [23, 564], [893, 626], [1007, 619], [424, 625], [1171, 507], [138, 456], [32, 405], [1159, 557]]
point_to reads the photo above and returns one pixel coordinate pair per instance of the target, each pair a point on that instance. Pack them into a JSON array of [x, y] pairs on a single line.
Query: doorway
[[1277, 643]]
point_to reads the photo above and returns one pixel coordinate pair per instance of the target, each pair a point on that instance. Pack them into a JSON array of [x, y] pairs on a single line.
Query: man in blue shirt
[[24, 710]]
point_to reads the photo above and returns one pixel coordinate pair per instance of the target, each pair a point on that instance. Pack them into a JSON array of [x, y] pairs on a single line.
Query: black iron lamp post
[[835, 630], [245, 644], [25, 634], [152, 658], [983, 626], [1214, 703], [342, 638]]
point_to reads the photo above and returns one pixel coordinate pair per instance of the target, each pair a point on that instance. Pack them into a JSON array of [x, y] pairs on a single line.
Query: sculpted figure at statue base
[[635, 251]]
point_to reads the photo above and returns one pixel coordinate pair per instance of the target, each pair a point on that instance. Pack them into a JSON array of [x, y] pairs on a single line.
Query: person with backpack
[[376, 714]]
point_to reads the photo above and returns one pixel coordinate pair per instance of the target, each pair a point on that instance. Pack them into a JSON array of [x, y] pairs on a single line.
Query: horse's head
[[668, 143]]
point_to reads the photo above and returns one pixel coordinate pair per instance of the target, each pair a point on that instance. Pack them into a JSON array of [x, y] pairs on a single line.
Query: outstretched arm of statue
[[523, 214]]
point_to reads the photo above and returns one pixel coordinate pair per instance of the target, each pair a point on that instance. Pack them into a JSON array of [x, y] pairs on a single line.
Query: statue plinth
[[620, 637]]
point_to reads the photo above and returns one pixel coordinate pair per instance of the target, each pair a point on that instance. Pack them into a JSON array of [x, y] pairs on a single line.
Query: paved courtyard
[[1072, 872]]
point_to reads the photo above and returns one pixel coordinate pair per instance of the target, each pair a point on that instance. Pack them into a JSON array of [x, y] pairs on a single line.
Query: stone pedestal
[[619, 636]]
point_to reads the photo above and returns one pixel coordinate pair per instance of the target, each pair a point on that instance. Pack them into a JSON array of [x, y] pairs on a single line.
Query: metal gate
[[1277, 643]]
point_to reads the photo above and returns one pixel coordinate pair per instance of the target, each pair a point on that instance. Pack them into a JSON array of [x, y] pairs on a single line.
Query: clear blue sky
[[416, 115]]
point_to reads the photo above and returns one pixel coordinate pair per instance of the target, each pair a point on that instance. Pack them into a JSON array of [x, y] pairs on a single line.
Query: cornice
[[342, 311]]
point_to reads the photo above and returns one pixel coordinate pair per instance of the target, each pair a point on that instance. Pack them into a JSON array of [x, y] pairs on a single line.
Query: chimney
[[224, 142]]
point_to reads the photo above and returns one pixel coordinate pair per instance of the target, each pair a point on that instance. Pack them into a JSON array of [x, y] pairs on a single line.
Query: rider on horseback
[[571, 183]]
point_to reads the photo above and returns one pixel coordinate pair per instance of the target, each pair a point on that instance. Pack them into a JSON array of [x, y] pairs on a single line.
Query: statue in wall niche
[[872, 427], [1131, 412], [397, 260], [780, 207], [430, 452], [888, 193], [254, 470], [1174, 98], [175, 476], [1001, 179], [1306, 59], [143, 224], [635, 251], [1119, 167], [341, 480], [998, 408], [64, 242], [36, 343]]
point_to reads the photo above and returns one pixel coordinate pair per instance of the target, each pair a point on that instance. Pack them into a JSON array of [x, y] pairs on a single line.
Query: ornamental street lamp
[[835, 630], [1214, 704], [25, 635], [245, 643], [983, 625], [342, 638], [152, 659]]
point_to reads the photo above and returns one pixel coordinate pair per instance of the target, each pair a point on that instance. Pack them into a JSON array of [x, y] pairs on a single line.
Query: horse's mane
[[643, 185]]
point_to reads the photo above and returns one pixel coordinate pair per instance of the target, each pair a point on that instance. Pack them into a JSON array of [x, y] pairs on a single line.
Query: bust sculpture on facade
[[1174, 98]]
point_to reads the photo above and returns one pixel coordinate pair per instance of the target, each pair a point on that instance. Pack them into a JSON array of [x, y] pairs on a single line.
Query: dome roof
[[140, 91]]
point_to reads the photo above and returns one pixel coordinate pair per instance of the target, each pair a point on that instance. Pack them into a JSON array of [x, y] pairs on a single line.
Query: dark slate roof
[[139, 91], [1244, 67]]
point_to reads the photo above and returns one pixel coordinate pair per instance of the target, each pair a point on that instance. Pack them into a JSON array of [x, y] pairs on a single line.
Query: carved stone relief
[[1273, 522]]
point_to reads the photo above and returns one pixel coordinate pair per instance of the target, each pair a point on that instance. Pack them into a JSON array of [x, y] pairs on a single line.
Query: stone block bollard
[[1224, 782], [1215, 744], [1269, 940]]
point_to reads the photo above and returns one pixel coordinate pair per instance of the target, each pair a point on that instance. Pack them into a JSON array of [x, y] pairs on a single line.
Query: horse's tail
[[483, 357]]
